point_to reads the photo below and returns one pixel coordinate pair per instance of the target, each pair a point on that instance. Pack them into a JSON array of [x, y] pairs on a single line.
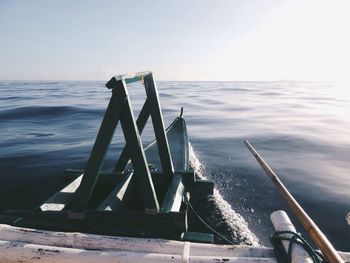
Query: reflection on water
[[302, 129]]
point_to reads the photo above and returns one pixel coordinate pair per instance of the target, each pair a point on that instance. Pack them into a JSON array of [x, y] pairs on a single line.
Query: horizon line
[[162, 80]]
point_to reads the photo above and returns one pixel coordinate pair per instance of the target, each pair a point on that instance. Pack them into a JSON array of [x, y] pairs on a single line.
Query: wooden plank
[[158, 125], [203, 187], [140, 123], [103, 139], [198, 237], [114, 201], [9, 252], [61, 199], [173, 199], [180, 152], [182, 181], [99, 242], [138, 159], [124, 223], [127, 78]]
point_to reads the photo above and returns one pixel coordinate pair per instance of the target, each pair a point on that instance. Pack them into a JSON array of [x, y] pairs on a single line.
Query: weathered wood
[[114, 201], [188, 177], [10, 253], [173, 199], [103, 139], [42, 253], [127, 78], [316, 234], [138, 159], [198, 237], [140, 123], [110, 243], [159, 130], [124, 223], [94, 242], [203, 187], [182, 180], [61, 199]]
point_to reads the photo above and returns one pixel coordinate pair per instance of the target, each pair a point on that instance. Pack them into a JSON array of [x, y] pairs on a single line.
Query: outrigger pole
[[316, 234]]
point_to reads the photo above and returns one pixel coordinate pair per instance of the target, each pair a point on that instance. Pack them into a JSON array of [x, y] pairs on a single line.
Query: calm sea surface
[[302, 129]]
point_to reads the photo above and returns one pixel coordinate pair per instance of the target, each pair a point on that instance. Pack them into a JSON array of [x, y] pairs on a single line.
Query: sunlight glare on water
[[302, 129]]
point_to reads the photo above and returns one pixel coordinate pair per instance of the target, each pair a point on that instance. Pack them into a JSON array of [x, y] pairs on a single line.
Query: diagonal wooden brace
[[141, 123], [138, 158], [158, 125], [103, 139]]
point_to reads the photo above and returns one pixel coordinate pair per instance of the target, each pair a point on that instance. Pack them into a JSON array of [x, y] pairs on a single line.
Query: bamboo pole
[[318, 237]]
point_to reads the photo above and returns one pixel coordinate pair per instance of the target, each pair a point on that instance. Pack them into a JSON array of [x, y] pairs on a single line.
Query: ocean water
[[302, 129]]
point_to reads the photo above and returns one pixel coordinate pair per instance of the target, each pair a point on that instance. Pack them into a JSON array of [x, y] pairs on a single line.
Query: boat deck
[[49, 246]]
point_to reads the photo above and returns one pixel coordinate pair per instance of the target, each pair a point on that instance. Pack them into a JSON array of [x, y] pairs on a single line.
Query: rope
[[187, 201], [294, 238]]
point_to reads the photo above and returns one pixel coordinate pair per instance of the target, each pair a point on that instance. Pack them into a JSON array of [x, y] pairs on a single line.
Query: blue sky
[[177, 40]]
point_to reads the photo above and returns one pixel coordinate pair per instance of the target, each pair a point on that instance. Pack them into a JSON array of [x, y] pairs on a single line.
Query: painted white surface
[[101, 242], [281, 222], [30, 245]]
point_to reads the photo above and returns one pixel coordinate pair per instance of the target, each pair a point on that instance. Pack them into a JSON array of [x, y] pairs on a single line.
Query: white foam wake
[[231, 217]]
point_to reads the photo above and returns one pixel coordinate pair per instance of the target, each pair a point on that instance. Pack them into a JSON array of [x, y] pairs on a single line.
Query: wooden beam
[[203, 187], [138, 159], [159, 130], [124, 223], [198, 237], [116, 243], [61, 199], [140, 123], [103, 139], [130, 78], [182, 180], [114, 201], [173, 199]]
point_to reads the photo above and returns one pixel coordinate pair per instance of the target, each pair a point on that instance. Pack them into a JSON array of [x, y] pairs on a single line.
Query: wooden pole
[[318, 237]]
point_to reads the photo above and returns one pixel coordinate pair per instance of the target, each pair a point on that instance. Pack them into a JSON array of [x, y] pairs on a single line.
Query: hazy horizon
[[238, 40], [164, 80]]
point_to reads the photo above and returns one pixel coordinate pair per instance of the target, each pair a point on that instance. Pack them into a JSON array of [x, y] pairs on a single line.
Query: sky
[[177, 40]]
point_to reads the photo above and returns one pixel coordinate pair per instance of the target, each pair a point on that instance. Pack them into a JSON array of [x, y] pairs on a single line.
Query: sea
[[301, 129]]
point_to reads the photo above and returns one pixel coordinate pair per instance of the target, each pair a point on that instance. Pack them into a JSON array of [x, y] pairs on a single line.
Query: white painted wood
[[89, 241], [115, 198], [24, 252], [281, 222], [62, 198], [186, 252], [21, 244]]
